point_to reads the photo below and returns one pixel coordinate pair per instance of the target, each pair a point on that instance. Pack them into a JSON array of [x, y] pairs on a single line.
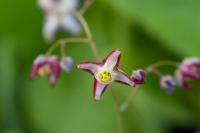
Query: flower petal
[[112, 60], [55, 69], [70, 24], [190, 73], [90, 67], [50, 27], [38, 62], [99, 89], [123, 78]]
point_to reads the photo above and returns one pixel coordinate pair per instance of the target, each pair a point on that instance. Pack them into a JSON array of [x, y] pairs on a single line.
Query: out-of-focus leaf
[[174, 23]]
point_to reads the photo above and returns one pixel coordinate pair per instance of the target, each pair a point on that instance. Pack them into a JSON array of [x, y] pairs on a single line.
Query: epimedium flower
[[187, 70], [46, 66], [59, 14], [167, 83], [138, 76], [105, 73], [66, 63]]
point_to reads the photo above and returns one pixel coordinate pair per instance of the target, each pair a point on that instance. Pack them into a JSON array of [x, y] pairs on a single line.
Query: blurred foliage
[[146, 32]]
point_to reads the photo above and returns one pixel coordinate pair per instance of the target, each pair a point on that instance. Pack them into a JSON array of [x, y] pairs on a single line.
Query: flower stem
[[88, 34], [164, 63], [128, 99], [85, 6], [119, 113], [63, 41]]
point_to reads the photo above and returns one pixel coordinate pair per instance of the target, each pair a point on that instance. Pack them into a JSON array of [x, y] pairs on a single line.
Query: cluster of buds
[[45, 65], [187, 70]]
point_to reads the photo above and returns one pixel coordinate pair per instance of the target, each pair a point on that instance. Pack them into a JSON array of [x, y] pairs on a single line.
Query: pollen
[[105, 77], [43, 71]]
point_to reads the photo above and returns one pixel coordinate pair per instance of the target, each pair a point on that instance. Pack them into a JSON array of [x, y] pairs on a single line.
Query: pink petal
[[112, 60], [55, 69], [99, 89], [90, 67], [124, 78], [190, 73], [38, 62]]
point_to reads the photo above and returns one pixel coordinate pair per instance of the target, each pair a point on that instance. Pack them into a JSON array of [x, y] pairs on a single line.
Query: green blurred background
[[146, 31]]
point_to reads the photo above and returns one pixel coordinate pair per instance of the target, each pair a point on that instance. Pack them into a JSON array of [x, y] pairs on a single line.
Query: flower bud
[[138, 76], [66, 63], [167, 83]]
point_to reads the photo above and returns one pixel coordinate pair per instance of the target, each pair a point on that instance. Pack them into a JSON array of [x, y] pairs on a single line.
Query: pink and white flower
[[59, 14], [106, 72], [187, 70], [46, 66]]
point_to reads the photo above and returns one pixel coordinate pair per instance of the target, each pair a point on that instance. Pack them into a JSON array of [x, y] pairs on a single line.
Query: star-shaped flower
[[187, 70], [106, 72], [59, 14], [46, 66]]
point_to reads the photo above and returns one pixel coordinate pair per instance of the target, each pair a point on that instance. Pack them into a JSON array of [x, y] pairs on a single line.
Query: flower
[[167, 83], [59, 15], [138, 76], [46, 66], [66, 63], [106, 72], [187, 70]]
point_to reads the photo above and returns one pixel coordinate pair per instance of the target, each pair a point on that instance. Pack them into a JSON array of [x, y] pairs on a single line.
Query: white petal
[[124, 78], [90, 67], [70, 24], [112, 60], [50, 27], [66, 6], [98, 90], [46, 5]]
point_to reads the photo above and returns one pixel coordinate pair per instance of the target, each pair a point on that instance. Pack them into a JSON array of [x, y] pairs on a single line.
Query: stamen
[[104, 77]]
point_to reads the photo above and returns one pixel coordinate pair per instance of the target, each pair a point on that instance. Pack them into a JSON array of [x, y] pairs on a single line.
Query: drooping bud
[[66, 63], [138, 76], [167, 83]]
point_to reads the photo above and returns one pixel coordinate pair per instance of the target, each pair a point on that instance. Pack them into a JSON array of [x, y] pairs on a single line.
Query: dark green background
[[145, 31]]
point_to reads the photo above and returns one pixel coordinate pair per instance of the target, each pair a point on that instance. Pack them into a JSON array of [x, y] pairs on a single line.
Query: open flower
[[167, 83], [138, 76], [187, 70], [46, 66], [59, 15], [106, 72]]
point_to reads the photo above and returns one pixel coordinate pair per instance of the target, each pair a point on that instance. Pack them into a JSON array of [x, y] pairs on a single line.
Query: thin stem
[[62, 49], [119, 113], [128, 99], [164, 63], [88, 34], [85, 6], [52, 48], [65, 40], [126, 66]]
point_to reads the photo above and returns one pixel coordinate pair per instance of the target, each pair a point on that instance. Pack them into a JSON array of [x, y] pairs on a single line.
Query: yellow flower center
[[43, 71], [105, 77]]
